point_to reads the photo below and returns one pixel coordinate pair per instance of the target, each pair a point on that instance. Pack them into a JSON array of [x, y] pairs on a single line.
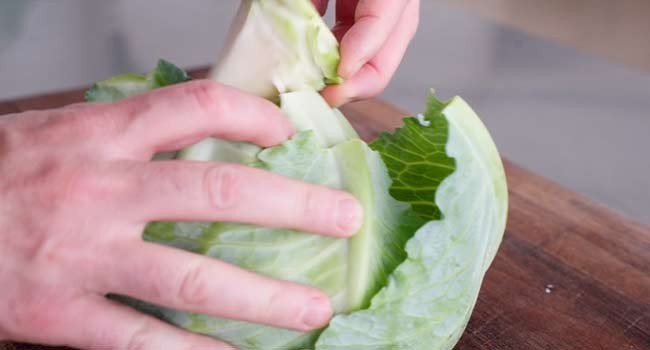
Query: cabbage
[[125, 85], [434, 194], [277, 46], [428, 299]]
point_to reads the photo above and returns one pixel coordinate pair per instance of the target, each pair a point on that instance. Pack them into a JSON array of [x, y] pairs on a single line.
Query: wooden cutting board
[[570, 274]]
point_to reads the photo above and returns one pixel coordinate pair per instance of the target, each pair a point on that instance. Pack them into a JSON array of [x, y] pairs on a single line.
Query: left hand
[[77, 188], [374, 35]]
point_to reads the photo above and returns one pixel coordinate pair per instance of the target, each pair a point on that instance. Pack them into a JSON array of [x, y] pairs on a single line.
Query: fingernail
[[349, 216], [316, 313]]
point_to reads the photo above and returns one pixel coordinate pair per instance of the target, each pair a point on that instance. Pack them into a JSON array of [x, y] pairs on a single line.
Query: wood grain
[[570, 274]]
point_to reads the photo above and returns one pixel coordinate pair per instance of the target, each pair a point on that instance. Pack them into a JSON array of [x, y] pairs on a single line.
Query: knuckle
[[89, 121], [105, 120], [45, 185], [381, 79], [172, 179], [223, 185], [142, 337], [207, 94], [103, 340], [311, 204], [73, 186], [60, 126], [79, 124], [156, 285], [59, 186], [268, 313], [26, 313], [68, 127], [80, 183], [193, 289], [52, 182], [127, 111]]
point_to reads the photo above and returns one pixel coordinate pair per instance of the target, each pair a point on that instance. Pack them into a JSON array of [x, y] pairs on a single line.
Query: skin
[[374, 35], [78, 187]]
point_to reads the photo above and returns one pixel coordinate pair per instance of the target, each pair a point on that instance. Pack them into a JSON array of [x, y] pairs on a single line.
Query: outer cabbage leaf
[[417, 160], [429, 298], [126, 85]]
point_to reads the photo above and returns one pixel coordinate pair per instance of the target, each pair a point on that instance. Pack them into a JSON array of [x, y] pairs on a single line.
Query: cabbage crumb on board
[[434, 194]]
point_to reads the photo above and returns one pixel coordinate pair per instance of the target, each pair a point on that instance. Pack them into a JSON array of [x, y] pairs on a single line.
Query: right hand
[[374, 36], [78, 187]]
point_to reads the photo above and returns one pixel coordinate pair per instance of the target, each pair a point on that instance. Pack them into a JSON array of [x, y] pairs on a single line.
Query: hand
[[78, 188], [374, 35]]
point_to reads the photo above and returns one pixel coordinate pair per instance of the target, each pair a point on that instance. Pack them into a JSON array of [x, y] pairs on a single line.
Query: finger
[[375, 75], [370, 28], [173, 117], [99, 324], [194, 283], [205, 191], [321, 6]]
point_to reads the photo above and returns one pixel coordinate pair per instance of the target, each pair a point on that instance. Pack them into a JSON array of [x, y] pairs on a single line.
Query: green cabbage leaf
[[428, 299], [434, 194]]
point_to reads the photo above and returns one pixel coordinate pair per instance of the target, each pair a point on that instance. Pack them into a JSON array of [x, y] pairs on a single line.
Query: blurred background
[[564, 85]]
